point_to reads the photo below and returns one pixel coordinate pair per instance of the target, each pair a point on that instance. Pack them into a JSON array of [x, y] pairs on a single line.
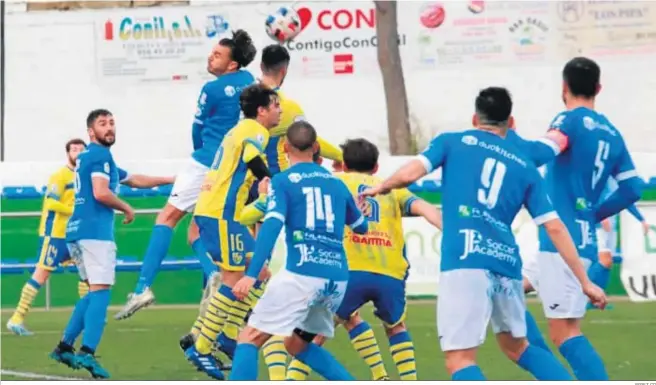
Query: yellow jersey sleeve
[[405, 199], [57, 185], [254, 212], [254, 145], [329, 151]]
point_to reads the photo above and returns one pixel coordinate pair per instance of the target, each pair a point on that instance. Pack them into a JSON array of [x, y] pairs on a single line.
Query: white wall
[[57, 71]]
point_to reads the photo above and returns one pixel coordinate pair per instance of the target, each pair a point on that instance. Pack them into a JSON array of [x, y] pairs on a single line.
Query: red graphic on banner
[[432, 15], [340, 19], [109, 30], [343, 63]]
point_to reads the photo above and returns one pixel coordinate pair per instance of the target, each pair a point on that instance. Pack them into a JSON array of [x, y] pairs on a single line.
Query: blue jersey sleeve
[[276, 200], [122, 175], [624, 168], [629, 188], [433, 157], [100, 166], [206, 103], [354, 218], [537, 201]]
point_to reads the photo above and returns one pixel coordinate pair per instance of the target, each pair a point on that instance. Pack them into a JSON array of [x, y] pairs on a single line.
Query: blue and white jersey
[[485, 182], [92, 219], [314, 207], [611, 187], [217, 112], [592, 151]]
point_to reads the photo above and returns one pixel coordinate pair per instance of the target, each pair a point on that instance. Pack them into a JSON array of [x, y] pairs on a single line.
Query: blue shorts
[[52, 253], [386, 293], [227, 242]]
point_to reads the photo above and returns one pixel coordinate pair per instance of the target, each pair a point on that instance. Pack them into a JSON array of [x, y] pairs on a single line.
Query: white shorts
[[95, 260], [606, 241], [560, 292], [530, 269], [186, 188], [292, 301], [470, 299]]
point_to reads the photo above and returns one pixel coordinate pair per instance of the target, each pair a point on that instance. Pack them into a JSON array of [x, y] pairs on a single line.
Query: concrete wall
[[60, 65]]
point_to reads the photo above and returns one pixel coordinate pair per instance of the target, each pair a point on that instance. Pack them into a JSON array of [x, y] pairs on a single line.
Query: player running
[[300, 301], [90, 238], [223, 196], [217, 112], [57, 208], [378, 267], [486, 180]]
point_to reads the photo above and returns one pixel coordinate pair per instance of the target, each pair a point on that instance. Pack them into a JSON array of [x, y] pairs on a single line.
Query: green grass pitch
[[145, 347]]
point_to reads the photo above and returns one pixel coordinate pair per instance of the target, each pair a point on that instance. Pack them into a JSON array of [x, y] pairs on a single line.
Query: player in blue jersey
[[486, 180], [588, 150], [217, 112], [300, 301], [90, 238]]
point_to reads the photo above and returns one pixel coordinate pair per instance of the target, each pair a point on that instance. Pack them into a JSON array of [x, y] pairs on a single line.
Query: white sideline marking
[[38, 376], [120, 330]]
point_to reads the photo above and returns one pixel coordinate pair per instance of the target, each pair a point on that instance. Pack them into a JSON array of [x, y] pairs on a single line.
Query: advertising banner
[[639, 255]]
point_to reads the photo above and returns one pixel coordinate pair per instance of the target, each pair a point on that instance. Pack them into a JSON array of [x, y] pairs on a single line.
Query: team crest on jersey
[[260, 138], [589, 123], [230, 91], [295, 177], [469, 140], [106, 167]]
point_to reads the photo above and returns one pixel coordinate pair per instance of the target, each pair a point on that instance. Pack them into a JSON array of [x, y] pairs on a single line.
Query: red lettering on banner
[[346, 19]]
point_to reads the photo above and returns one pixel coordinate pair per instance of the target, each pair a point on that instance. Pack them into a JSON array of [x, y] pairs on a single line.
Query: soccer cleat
[[65, 356], [187, 341], [205, 363], [213, 283], [18, 329], [89, 362], [135, 303]]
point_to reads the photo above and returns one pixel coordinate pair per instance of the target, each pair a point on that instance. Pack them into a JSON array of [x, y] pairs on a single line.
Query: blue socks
[[584, 359], [244, 363], [543, 365], [533, 333], [205, 261], [95, 318], [470, 373], [158, 246], [599, 275], [322, 362], [76, 322]]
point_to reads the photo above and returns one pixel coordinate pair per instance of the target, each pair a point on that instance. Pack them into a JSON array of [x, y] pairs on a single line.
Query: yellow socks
[[215, 318], [297, 371], [275, 356], [364, 342], [29, 292], [403, 354]]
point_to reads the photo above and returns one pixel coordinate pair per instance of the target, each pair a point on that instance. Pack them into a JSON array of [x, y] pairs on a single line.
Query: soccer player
[[238, 162], [378, 267], [217, 112], [90, 238], [300, 301], [57, 208], [588, 150], [486, 180]]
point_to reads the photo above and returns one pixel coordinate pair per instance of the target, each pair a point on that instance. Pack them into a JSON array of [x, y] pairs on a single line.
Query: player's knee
[[526, 284], [459, 359], [352, 322], [250, 335], [40, 275], [192, 233], [560, 330], [169, 216], [396, 329], [606, 259], [319, 340], [298, 341], [512, 347]]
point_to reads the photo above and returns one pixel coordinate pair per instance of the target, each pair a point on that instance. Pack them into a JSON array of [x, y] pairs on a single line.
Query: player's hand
[[645, 227], [364, 206], [605, 224], [263, 186], [243, 287], [129, 215], [338, 166], [596, 295]]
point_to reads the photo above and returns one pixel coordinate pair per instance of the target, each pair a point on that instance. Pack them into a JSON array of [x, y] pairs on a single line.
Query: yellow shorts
[[228, 243], [52, 253]]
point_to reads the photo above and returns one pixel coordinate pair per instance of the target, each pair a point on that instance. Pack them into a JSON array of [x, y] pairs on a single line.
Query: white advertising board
[[639, 255]]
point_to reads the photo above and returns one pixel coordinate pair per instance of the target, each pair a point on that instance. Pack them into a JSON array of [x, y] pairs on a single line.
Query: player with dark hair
[[90, 239], [57, 209], [588, 150], [217, 112], [378, 267], [237, 164], [486, 180], [300, 301]]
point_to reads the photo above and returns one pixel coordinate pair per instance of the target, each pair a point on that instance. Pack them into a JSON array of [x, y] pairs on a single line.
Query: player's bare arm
[[409, 173], [432, 214], [106, 196], [147, 181], [565, 246]]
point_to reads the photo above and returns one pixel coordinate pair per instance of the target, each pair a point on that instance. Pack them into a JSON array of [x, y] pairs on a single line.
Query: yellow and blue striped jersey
[[58, 203], [225, 189], [275, 150], [382, 249]]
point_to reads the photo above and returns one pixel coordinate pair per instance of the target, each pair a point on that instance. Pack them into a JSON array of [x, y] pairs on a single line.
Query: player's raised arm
[[56, 186], [143, 181], [539, 206], [103, 194], [547, 148], [629, 188]]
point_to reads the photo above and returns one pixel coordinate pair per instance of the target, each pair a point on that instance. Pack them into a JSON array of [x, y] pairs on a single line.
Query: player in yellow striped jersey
[[57, 208]]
